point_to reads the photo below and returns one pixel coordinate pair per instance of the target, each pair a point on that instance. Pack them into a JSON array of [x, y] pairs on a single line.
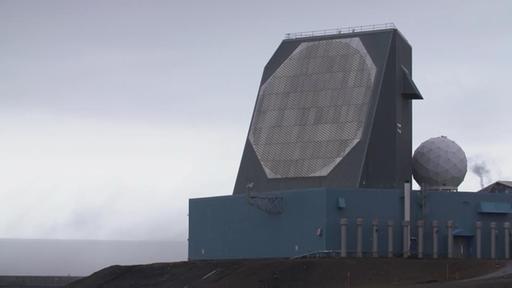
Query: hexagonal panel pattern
[[439, 164], [313, 109]]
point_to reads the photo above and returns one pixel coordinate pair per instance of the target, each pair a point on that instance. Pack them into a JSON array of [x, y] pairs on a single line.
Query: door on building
[[462, 247]]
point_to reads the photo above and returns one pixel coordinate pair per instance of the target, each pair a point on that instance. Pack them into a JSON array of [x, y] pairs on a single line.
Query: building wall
[[463, 209], [230, 227], [368, 204]]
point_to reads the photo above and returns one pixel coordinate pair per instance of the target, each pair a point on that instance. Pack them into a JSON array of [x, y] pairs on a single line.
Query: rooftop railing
[[342, 30]]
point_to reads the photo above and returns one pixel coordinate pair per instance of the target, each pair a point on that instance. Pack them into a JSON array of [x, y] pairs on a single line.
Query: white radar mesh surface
[[313, 109]]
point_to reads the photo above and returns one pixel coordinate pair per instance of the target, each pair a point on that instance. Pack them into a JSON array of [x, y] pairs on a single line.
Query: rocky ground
[[297, 273]]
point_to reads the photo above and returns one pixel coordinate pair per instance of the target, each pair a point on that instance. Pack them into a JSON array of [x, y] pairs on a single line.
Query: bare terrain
[[297, 273]]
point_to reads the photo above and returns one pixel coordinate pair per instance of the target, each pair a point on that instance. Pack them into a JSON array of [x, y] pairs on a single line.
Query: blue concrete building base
[[299, 222]]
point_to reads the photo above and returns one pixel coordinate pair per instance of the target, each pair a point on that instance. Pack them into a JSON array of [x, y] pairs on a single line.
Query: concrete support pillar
[[375, 238], [407, 217], [506, 228], [343, 224], [359, 225], [420, 225], [493, 240], [406, 237], [390, 239], [407, 201], [449, 225], [478, 232], [435, 231]]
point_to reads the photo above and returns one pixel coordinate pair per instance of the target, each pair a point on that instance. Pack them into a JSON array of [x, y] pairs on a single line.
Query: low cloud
[[84, 179]]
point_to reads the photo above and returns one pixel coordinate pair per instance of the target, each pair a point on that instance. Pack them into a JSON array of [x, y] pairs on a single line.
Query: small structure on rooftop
[[499, 187]]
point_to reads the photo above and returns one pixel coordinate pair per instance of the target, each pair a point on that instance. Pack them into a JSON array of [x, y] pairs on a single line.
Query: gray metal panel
[[313, 109], [382, 156]]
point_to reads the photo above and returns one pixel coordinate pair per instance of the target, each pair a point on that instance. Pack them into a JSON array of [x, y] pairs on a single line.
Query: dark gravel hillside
[[300, 273]]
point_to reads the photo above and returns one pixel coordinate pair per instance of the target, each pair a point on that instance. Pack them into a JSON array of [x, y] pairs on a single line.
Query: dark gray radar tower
[[332, 110]]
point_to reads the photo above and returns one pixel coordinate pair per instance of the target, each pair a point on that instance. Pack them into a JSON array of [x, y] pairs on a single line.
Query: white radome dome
[[439, 164]]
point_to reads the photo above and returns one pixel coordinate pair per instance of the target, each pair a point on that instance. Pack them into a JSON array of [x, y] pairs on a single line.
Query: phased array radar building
[[332, 111], [327, 164]]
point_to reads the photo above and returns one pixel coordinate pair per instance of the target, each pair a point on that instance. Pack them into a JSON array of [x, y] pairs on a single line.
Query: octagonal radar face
[[312, 110], [439, 164]]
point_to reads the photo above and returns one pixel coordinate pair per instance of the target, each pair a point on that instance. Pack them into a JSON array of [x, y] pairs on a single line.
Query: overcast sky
[[114, 113]]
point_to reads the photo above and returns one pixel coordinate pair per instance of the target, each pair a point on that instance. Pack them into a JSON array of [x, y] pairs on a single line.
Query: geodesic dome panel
[[439, 163], [313, 109]]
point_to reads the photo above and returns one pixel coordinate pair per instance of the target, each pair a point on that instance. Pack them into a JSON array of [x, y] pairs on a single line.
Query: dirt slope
[[301, 273]]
